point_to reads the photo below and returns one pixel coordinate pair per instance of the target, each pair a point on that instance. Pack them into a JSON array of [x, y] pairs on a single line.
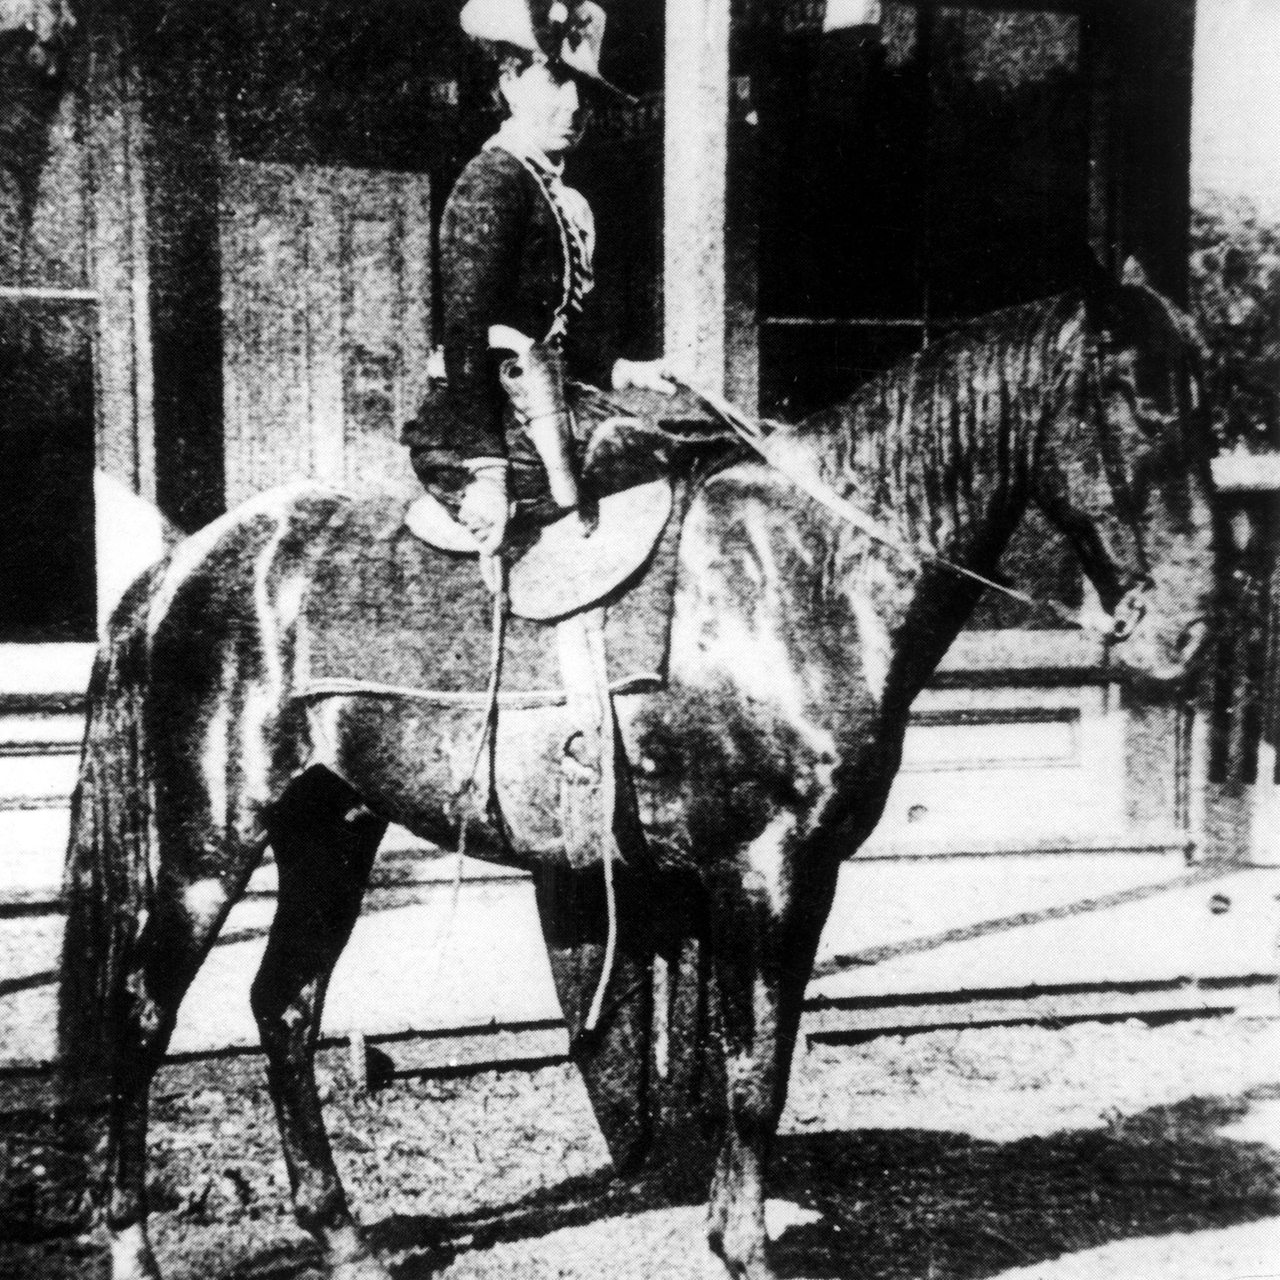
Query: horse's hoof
[[131, 1256], [749, 1265], [364, 1268], [754, 1268], [349, 1258]]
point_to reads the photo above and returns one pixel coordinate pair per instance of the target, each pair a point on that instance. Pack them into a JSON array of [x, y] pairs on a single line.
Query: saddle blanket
[[387, 613]]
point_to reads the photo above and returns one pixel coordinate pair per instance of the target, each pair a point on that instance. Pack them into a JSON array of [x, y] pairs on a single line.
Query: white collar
[[512, 139]]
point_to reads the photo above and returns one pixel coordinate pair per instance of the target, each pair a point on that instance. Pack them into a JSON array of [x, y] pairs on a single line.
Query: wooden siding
[[327, 305]]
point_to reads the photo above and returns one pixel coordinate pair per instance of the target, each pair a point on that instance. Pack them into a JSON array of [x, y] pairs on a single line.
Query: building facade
[[224, 278]]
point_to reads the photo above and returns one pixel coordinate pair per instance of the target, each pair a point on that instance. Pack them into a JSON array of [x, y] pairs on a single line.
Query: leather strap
[[588, 816]]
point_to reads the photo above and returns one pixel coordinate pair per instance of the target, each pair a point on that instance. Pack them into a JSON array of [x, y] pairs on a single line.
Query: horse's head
[[1124, 472]]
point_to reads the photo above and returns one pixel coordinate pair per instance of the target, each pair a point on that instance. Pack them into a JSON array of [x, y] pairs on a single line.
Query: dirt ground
[[1091, 1152]]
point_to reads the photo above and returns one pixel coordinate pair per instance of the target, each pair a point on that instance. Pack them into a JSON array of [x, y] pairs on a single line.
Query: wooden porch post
[[1152, 42], [1242, 789], [696, 177], [688, 1093], [182, 60], [126, 433]]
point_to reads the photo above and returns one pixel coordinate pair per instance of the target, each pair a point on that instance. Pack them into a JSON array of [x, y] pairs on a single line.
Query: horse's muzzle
[[1162, 655]]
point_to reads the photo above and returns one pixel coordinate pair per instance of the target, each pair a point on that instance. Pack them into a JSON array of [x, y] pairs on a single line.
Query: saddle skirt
[[387, 613], [562, 572]]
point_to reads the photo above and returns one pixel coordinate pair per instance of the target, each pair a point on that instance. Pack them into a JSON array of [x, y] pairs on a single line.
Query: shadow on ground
[[895, 1204], [899, 1204]]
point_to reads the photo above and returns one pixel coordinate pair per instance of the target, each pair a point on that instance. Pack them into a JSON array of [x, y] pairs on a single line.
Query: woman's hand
[[486, 505], [643, 375]]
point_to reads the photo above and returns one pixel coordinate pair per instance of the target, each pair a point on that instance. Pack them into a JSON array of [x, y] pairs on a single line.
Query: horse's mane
[[929, 438]]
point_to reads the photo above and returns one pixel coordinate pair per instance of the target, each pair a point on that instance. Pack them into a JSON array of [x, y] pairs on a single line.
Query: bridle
[[1130, 609]]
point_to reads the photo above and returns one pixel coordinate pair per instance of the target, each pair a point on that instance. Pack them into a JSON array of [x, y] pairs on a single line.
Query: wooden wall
[[327, 288]]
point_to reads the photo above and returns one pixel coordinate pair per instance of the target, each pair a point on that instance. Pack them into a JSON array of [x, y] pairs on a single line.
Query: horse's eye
[[1151, 419], [1149, 413]]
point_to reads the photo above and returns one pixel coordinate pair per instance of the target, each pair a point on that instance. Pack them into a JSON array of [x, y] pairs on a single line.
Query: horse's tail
[[109, 880]]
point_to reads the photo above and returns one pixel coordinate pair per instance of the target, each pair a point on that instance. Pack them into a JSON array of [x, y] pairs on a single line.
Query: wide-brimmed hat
[[568, 35]]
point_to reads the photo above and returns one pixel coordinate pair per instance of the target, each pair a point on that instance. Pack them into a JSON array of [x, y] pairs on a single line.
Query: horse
[[798, 643]]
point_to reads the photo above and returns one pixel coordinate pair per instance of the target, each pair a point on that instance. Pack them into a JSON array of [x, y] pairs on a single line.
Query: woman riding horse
[[798, 644], [516, 268]]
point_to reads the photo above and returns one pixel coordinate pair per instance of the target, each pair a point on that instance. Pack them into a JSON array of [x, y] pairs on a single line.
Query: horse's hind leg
[[179, 934], [324, 843]]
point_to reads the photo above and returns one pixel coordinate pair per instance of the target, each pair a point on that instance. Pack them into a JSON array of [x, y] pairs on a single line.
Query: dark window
[[929, 170], [47, 588], [48, 326], [1007, 185]]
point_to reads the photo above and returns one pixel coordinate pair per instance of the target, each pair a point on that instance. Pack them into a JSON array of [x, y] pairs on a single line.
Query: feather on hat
[[567, 34]]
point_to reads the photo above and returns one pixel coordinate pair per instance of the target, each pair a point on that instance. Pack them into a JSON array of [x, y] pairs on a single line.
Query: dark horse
[[798, 646]]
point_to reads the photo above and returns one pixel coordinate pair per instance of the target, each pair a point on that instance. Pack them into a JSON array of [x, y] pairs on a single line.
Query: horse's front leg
[[750, 908], [769, 908]]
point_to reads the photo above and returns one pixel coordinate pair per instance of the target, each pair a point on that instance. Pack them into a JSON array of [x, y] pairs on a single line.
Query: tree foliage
[[1235, 293]]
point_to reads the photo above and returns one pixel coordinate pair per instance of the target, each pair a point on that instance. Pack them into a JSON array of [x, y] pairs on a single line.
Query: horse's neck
[[950, 478], [959, 504], [943, 448]]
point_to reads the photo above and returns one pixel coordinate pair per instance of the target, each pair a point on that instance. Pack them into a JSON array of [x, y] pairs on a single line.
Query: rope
[[495, 574], [608, 798], [611, 939]]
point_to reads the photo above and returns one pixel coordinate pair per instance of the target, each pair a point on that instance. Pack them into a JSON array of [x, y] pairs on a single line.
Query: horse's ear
[[1095, 276], [1101, 293], [1134, 275]]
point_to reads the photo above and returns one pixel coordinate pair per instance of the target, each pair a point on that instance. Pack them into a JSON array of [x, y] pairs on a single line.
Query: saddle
[[397, 605], [563, 576]]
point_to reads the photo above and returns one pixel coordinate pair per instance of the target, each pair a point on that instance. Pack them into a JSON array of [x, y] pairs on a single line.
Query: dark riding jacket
[[509, 255]]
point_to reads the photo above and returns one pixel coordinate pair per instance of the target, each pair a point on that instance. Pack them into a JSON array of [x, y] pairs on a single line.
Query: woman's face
[[545, 107]]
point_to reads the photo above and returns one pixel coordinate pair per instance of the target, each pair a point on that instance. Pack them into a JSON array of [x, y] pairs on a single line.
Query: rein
[[1121, 490], [751, 433]]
